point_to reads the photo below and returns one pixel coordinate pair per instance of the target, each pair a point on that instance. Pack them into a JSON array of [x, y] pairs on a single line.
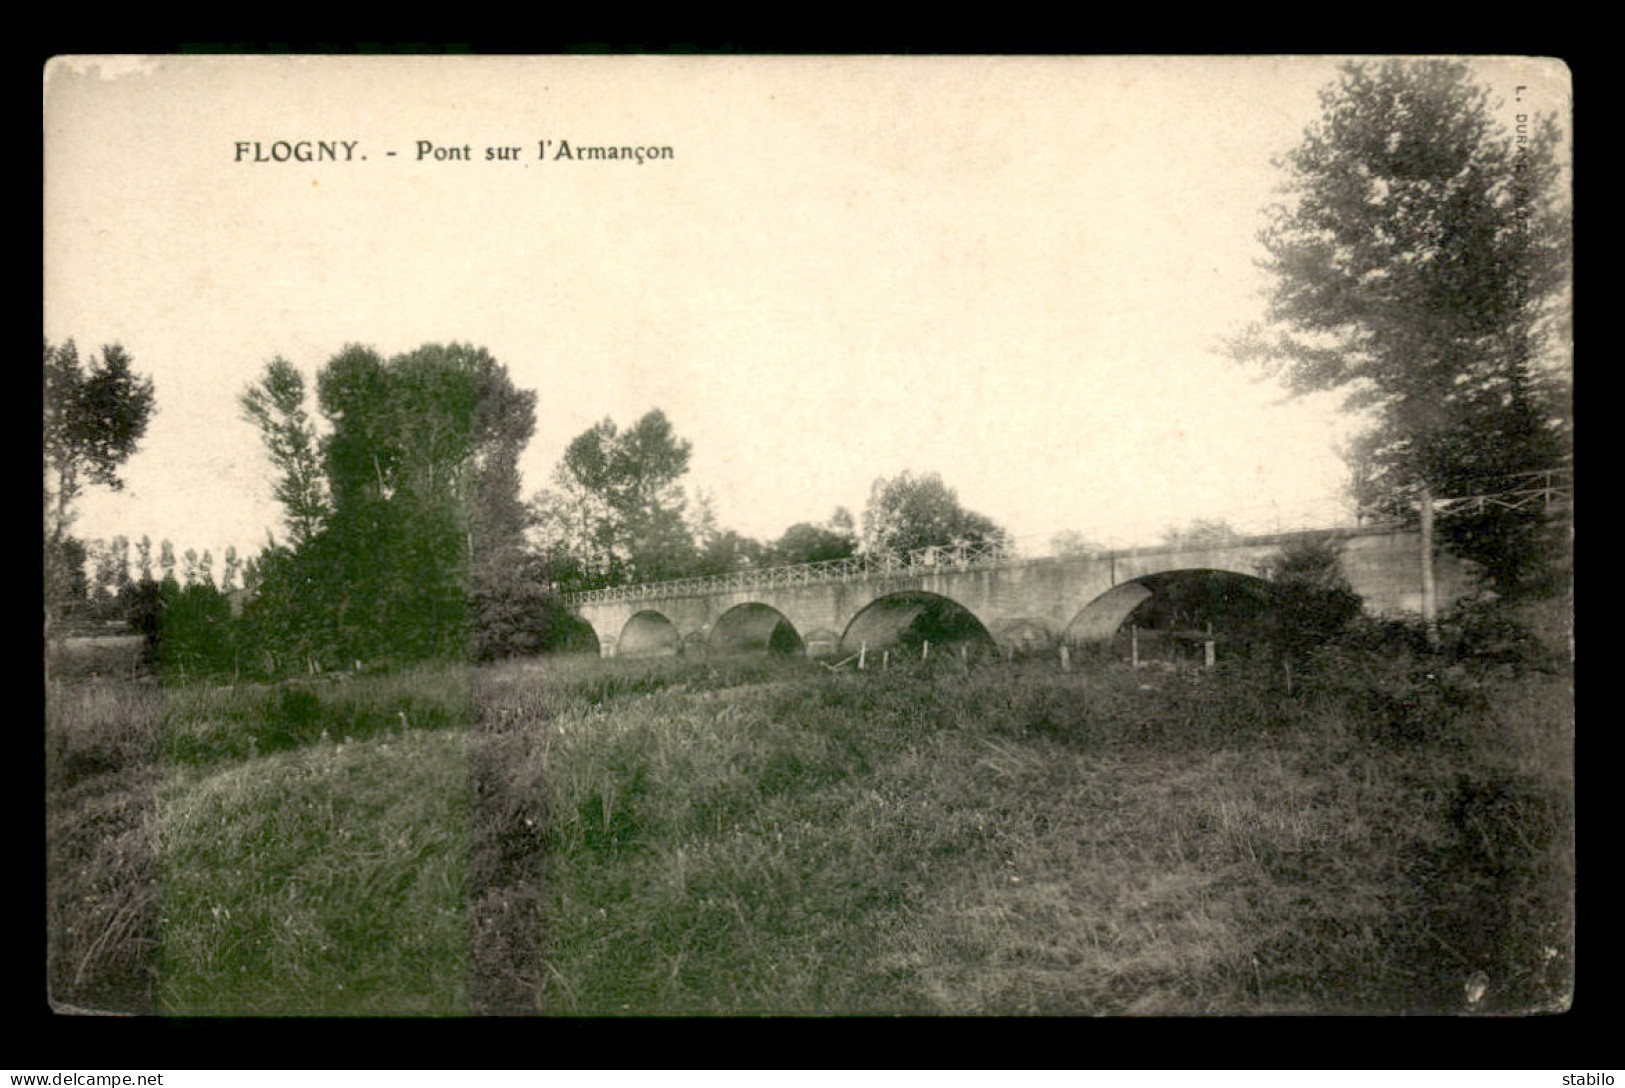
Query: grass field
[[765, 836]]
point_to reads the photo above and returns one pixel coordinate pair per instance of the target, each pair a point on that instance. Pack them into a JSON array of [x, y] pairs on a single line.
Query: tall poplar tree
[[95, 415], [276, 405], [1421, 266]]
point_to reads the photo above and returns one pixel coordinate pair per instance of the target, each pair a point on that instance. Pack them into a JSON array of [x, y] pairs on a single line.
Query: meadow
[[767, 836]]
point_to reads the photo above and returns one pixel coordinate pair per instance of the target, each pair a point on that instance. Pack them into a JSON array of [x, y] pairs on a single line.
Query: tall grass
[[325, 881], [102, 743], [1022, 841], [760, 836]]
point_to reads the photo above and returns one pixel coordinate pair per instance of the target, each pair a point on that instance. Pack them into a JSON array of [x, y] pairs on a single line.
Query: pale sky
[[1014, 272]]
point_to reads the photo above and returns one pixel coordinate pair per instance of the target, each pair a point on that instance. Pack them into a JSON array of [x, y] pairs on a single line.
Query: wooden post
[[1134, 644], [863, 652], [1207, 647], [964, 654], [925, 649], [1430, 616], [885, 660], [1288, 664], [1066, 658]]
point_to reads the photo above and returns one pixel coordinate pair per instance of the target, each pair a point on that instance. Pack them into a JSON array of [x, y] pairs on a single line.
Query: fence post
[[1134, 644], [925, 649], [1207, 647], [1066, 658], [863, 652]]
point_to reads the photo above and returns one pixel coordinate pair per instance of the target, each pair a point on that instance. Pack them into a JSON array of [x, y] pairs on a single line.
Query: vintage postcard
[[673, 535]]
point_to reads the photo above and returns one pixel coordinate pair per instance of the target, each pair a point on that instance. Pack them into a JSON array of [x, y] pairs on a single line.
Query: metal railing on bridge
[[868, 567]]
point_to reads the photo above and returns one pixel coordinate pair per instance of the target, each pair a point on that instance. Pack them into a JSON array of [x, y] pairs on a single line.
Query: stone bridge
[[836, 607]]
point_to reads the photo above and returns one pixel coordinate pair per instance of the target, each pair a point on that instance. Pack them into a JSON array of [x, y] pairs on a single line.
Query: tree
[[143, 551], [1310, 600], [276, 405], [166, 561], [233, 564], [1420, 266], [1071, 544], [104, 561], [906, 513], [805, 542], [415, 511], [618, 513], [1202, 531], [95, 417]]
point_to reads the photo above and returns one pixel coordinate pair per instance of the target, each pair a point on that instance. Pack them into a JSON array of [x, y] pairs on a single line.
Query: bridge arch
[[575, 635], [648, 634], [910, 617], [754, 628], [1232, 596]]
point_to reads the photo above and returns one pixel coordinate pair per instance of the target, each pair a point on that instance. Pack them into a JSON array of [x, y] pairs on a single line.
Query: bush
[[1310, 601], [188, 631], [522, 620], [1483, 631]]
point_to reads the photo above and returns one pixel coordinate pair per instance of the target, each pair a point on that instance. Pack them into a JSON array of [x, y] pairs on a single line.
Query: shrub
[[1310, 599], [523, 620], [1483, 630]]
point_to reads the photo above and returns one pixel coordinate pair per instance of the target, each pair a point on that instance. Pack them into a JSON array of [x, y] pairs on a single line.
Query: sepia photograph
[[629, 536]]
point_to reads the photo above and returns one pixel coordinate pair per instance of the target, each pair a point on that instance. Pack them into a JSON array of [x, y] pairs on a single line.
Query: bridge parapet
[[868, 567], [921, 562]]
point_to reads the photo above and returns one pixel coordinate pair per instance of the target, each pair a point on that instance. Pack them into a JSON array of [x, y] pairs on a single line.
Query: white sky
[[1014, 272]]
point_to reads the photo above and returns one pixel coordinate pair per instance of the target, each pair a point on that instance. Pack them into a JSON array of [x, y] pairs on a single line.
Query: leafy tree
[[1421, 264], [95, 417], [907, 512], [251, 574], [1310, 600], [193, 634], [421, 508], [805, 542], [276, 405], [718, 550], [618, 513], [728, 550], [67, 587]]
